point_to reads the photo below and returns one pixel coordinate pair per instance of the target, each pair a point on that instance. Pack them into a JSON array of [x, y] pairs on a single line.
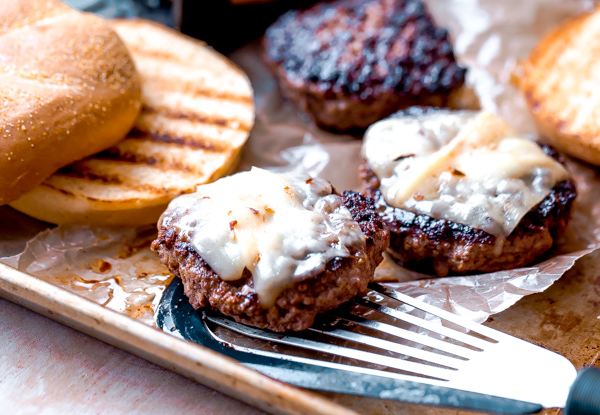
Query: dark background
[[225, 26], [219, 23]]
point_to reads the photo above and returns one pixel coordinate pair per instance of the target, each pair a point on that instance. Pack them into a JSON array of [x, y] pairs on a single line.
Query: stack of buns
[[196, 114]]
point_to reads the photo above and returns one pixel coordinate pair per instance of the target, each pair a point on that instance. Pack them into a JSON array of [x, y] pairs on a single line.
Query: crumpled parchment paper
[[115, 267]]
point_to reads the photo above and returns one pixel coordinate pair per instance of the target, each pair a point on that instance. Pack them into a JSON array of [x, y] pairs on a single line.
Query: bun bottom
[[48, 204]]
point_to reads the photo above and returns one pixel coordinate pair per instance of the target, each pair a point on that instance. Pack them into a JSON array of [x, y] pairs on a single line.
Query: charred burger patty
[[440, 246], [445, 247], [296, 306], [349, 63]]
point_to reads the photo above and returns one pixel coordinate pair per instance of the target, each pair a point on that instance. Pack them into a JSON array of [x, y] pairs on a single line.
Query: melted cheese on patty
[[468, 167], [282, 228]]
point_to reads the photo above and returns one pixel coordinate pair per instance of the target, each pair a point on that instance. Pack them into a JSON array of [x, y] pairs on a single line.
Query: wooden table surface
[[49, 369]]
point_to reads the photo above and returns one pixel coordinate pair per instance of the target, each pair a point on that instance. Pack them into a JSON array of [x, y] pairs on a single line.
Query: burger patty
[[442, 247], [297, 306], [350, 63]]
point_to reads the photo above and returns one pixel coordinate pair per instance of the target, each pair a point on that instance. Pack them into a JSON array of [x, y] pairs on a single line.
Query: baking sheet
[[190, 360]]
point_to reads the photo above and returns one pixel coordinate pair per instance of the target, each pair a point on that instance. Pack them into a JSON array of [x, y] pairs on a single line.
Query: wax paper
[[114, 266]]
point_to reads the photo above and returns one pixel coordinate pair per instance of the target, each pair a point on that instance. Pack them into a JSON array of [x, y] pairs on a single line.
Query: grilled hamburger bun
[[560, 80], [197, 112], [68, 89]]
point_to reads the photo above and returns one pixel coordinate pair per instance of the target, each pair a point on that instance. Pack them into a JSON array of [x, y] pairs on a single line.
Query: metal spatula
[[376, 346]]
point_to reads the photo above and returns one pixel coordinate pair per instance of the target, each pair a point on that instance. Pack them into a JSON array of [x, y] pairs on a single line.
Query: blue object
[[105, 8]]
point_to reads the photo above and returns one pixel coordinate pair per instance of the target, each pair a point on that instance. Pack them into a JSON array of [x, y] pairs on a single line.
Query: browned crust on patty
[[352, 114], [296, 307], [442, 247], [350, 63]]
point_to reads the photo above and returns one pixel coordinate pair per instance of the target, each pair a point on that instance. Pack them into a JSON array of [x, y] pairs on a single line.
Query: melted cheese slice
[[468, 167], [282, 228]]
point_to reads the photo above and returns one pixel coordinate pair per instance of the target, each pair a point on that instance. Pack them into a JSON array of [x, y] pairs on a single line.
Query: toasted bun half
[[561, 80], [68, 89], [197, 112]]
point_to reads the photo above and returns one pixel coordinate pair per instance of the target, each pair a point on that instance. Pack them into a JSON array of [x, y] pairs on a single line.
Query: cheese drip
[[467, 167], [282, 228]]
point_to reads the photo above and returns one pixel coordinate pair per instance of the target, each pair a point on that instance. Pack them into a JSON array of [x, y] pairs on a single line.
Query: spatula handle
[[584, 398]]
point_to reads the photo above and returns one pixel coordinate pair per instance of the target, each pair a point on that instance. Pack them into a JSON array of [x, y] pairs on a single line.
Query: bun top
[[68, 89]]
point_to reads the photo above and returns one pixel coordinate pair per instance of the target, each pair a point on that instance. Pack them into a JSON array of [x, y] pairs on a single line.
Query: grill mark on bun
[[58, 189], [130, 157], [158, 55], [198, 89], [87, 174], [116, 156], [180, 115], [201, 91], [165, 137]]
